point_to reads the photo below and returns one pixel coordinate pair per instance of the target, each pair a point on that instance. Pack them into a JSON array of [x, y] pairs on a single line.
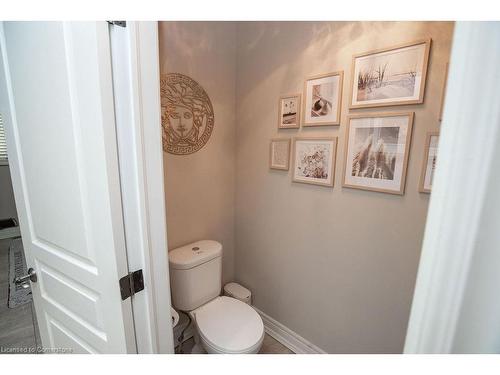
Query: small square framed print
[[429, 163], [376, 152], [289, 111], [279, 154], [323, 99], [314, 160]]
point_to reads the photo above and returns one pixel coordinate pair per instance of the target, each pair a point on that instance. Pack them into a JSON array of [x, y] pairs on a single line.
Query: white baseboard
[[287, 337]]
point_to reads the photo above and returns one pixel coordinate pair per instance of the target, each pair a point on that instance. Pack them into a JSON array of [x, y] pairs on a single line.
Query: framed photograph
[[314, 160], [323, 99], [289, 111], [376, 152], [391, 76], [429, 163], [279, 154]]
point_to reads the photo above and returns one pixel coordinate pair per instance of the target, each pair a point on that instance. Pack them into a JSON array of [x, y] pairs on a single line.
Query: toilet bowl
[[227, 325], [223, 324]]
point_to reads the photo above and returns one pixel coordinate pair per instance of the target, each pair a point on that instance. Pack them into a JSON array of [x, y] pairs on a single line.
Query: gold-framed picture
[[314, 160], [429, 162], [289, 107], [279, 154], [376, 151], [390, 76], [322, 99]]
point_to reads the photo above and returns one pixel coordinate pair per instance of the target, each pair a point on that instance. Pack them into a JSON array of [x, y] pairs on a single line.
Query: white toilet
[[223, 324]]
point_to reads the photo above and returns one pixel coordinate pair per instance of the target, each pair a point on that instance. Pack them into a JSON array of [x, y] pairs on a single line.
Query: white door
[[56, 100]]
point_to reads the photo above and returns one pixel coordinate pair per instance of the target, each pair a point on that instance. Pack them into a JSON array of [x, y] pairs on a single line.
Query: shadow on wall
[[193, 42], [292, 43]]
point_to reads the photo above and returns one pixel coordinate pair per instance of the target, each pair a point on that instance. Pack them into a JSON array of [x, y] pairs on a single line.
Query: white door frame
[[455, 305], [136, 74]]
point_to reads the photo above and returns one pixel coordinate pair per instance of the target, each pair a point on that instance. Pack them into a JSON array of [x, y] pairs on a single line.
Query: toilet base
[[198, 347]]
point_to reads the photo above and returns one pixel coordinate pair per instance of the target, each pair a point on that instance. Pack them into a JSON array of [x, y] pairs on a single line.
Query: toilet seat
[[227, 325]]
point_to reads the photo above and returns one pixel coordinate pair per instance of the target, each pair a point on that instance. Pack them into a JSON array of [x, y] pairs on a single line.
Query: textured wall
[[200, 188], [337, 266]]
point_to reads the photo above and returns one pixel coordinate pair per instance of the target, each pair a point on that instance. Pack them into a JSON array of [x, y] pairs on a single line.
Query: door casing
[[136, 76], [455, 307]]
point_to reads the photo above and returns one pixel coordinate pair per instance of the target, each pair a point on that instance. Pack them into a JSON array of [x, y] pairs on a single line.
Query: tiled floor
[[272, 346], [269, 346], [16, 325]]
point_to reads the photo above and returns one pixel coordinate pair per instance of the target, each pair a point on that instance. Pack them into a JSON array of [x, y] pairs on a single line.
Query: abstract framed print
[[390, 76], [322, 99], [279, 154], [314, 160], [289, 111], [376, 151], [429, 163]]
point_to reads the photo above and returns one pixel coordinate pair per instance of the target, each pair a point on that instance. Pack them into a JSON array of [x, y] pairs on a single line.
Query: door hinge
[[131, 284], [118, 23]]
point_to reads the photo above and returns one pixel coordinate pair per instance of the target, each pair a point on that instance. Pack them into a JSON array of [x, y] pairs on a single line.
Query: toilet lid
[[229, 324]]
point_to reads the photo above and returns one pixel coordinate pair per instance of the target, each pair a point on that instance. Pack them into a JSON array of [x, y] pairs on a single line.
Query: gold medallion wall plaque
[[187, 115]]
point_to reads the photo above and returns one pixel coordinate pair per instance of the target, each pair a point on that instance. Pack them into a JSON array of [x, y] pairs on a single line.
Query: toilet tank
[[195, 274]]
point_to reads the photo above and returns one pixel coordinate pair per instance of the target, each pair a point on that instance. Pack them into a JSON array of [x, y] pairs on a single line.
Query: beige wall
[[337, 266], [200, 187]]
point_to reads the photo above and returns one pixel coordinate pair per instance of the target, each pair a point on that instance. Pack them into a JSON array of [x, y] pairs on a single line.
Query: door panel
[[56, 92]]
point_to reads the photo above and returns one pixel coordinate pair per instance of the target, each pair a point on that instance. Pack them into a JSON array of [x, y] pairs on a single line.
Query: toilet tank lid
[[194, 254]]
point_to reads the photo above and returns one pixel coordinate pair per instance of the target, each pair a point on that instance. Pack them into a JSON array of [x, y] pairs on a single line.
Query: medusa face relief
[[187, 116], [181, 120]]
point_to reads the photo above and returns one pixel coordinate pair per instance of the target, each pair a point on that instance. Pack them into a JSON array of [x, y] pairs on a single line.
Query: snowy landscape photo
[[394, 76]]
